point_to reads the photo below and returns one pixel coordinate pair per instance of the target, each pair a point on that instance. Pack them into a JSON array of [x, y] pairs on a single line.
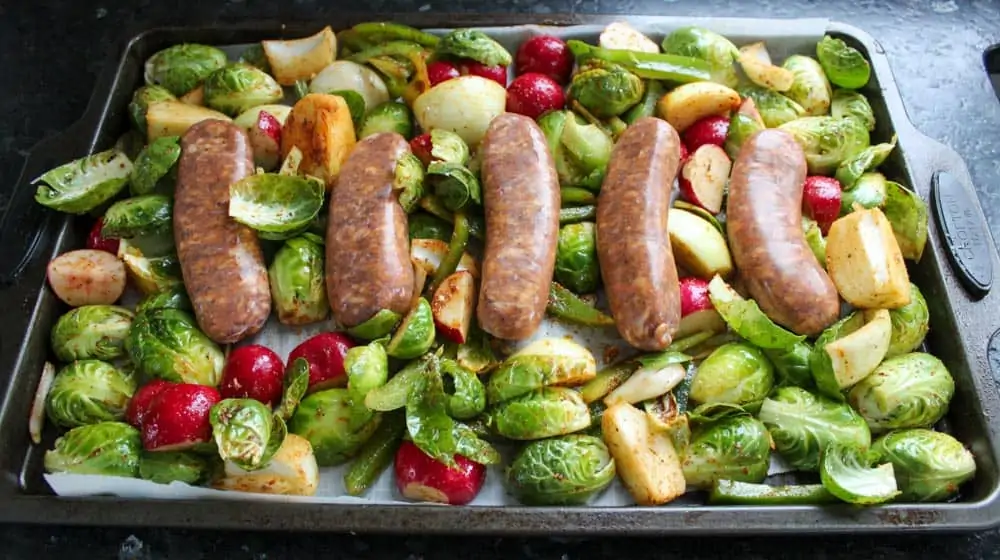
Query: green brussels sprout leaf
[[827, 141], [151, 275], [605, 89], [468, 397], [254, 55], [792, 364], [851, 104], [734, 448], [476, 355], [454, 185], [275, 203], [869, 191], [83, 184], [323, 418], [88, 392], [107, 448], [850, 170], [449, 147], [91, 332], [568, 470], [474, 45], [910, 324], [547, 412], [298, 282], [174, 298], [846, 472], [367, 368], [181, 68], [803, 424], [238, 87], [355, 105], [141, 99], [929, 466], [741, 127], [415, 334], [581, 151], [379, 325], [295, 385], [815, 240], [164, 467], [810, 89], [700, 43], [155, 166], [409, 181], [747, 320], [150, 214], [391, 116], [397, 391], [166, 344], [908, 391], [844, 65], [734, 373], [774, 108], [576, 257], [907, 214], [426, 226]]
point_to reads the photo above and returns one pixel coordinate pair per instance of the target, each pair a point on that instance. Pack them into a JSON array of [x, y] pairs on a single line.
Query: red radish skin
[[422, 478], [254, 372], [138, 406], [178, 417], [684, 153], [265, 139], [534, 94], [441, 71], [703, 177], [821, 200], [545, 54], [694, 295], [709, 130], [421, 147], [95, 240], [472, 68], [325, 353]]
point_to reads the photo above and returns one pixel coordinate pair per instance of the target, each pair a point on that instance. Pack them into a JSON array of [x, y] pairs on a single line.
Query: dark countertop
[[51, 53]]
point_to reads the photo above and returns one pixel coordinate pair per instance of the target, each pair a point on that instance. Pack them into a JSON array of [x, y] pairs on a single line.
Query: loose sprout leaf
[[468, 399], [275, 203], [296, 383], [151, 275], [164, 467], [154, 164], [409, 180], [474, 45], [845, 472], [254, 55], [455, 185], [929, 466], [143, 215], [850, 170], [907, 214], [868, 192], [355, 104], [449, 147], [84, 184], [792, 365], [746, 318], [851, 104]]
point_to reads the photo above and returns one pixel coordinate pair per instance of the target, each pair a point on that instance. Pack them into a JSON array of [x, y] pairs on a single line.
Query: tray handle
[[24, 221]]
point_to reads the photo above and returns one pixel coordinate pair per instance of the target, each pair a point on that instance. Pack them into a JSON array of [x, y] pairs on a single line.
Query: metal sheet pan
[[961, 328]]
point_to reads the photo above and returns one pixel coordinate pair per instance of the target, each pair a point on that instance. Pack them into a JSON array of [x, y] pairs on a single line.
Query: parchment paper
[[783, 37]]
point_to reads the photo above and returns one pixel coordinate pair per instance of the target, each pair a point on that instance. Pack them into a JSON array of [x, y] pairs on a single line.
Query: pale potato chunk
[[320, 126], [865, 263], [688, 103], [646, 460]]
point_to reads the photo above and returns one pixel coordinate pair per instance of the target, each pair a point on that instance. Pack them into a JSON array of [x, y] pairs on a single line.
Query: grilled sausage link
[[221, 260], [764, 224], [521, 200], [368, 266], [633, 247]]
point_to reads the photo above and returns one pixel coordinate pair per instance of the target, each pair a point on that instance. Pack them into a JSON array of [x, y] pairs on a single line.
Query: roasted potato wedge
[[320, 126], [646, 460], [686, 104], [173, 118], [865, 263]]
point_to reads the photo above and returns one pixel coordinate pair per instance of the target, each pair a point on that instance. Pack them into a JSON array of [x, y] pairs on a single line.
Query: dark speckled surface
[[52, 51]]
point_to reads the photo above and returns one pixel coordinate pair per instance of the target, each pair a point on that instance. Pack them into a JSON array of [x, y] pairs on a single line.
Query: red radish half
[[265, 139], [325, 354], [545, 54], [708, 130], [142, 400], [821, 200], [703, 177], [697, 312], [453, 304], [98, 242], [534, 94], [87, 277], [441, 71], [422, 478], [178, 417], [254, 372], [472, 68]]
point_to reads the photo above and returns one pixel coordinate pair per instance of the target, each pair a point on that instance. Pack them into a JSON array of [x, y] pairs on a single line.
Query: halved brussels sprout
[[851, 104], [700, 43], [734, 448], [567, 470], [297, 280], [174, 298], [238, 87], [468, 399], [164, 467], [775, 109], [827, 141], [576, 258], [150, 214], [810, 89], [166, 343], [475, 45], [454, 185], [581, 151], [910, 324], [151, 275], [274, 203], [323, 418], [449, 147], [741, 127], [605, 89], [181, 68], [155, 166], [803, 424], [245, 432], [92, 331], [545, 362], [846, 472], [409, 179], [367, 369], [83, 184], [869, 191], [391, 116], [141, 99], [908, 391], [735, 373], [844, 65], [907, 214], [107, 448], [547, 412], [88, 392], [929, 466]]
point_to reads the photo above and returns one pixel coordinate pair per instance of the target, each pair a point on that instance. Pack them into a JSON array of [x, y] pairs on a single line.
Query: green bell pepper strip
[[566, 305], [654, 66]]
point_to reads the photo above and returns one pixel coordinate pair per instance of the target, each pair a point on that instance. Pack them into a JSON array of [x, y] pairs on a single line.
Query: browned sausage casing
[[221, 261], [368, 265], [633, 246], [764, 224], [521, 200]]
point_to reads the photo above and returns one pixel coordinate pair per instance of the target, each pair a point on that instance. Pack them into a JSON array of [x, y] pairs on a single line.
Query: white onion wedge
[[36, 419], [300, 59]]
